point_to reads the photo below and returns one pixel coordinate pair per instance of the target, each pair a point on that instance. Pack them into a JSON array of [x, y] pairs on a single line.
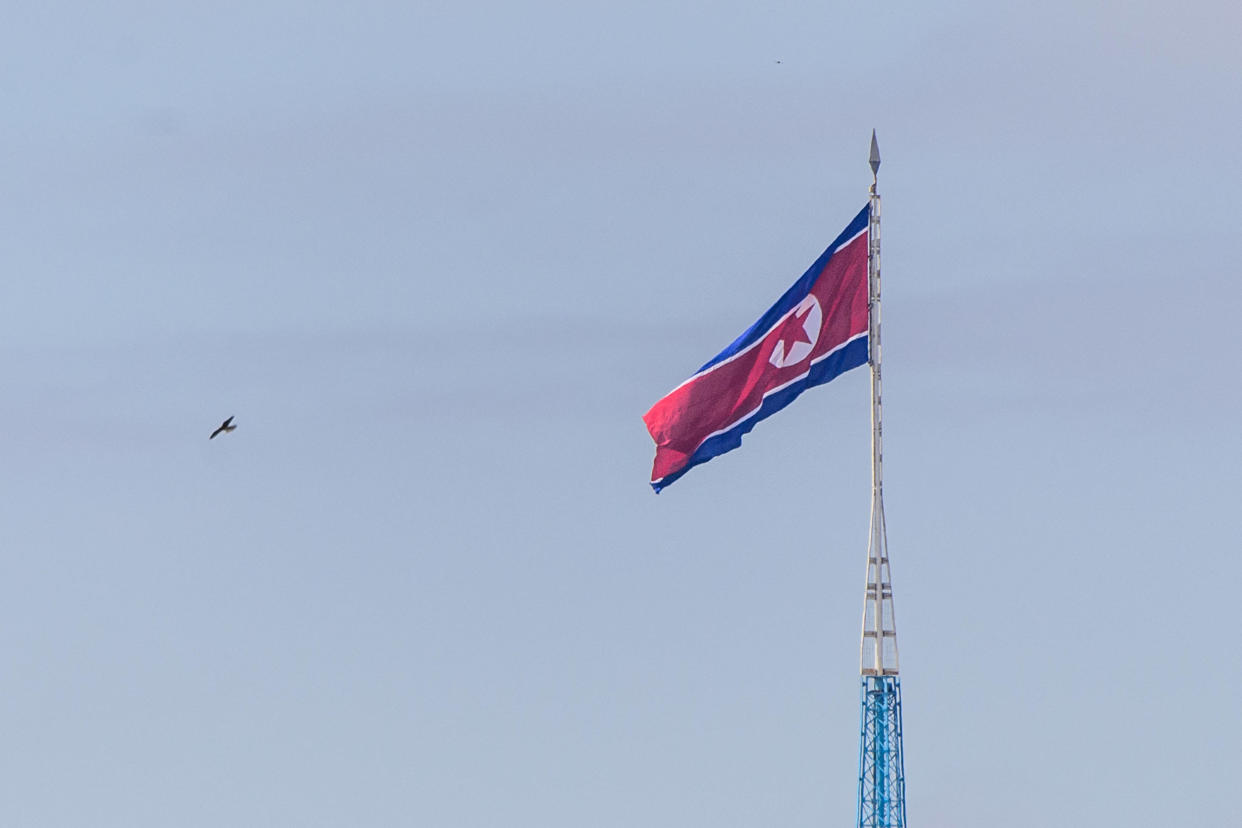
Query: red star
[[795, 330]]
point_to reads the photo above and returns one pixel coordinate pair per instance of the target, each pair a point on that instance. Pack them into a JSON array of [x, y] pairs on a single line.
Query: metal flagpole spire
[[878, 648], [881, 771]]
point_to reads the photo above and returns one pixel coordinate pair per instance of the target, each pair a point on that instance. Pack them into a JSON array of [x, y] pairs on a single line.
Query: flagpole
[[878, 625], [881, 767]]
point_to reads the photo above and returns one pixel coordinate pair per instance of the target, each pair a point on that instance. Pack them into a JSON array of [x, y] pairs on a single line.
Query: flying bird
[[225, 426]]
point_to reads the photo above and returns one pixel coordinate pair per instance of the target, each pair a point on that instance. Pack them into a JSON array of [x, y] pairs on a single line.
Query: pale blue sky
[[438, 259]]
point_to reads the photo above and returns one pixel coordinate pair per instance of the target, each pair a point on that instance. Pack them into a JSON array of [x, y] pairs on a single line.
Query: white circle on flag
[[808, 310]]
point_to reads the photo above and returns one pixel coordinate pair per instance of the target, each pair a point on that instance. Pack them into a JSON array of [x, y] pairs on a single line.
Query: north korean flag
[[815, 332]]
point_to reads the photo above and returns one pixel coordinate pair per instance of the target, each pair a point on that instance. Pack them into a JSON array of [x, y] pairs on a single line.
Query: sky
[[438, 258]]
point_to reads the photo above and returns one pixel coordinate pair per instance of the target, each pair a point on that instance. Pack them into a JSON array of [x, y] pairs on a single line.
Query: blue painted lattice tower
[[881, 768]]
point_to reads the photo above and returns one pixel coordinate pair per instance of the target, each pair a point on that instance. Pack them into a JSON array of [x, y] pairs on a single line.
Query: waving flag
[[815, 332]]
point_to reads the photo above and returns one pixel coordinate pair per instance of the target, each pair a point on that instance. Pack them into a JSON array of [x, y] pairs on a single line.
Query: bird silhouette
[[225, 427]]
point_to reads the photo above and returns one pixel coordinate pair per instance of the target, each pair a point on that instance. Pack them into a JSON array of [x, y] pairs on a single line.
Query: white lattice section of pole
[[878, 647]]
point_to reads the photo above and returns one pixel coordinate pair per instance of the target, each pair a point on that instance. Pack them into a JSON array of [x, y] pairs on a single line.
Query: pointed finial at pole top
[[875, 161]]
